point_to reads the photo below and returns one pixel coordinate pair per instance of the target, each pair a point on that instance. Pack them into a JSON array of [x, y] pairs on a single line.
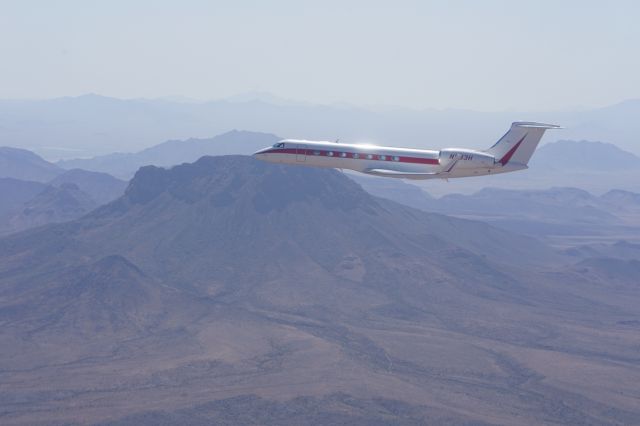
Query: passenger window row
[[356, 155]]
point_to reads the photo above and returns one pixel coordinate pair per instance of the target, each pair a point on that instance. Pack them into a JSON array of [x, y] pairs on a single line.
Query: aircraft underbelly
[[361, 165], [389, 168]]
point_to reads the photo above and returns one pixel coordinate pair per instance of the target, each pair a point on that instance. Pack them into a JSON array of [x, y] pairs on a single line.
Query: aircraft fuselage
[[408, 163]]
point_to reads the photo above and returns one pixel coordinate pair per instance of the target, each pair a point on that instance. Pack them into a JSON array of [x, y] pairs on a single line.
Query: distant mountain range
[[101, 187], [35, 192], [228, 283], [553, 162], [174, 152], [563, 211], [542, 213], [584, 156], [91, 125], [25, 165], [590, 165]]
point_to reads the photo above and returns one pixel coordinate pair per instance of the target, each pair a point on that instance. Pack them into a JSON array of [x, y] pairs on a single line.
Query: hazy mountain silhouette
[[566, 204], [26, 204], [62, 127], [25, 165], [582, 224], [218, 287], [102, 187], [553, 211], [584, 155], [175, 152]]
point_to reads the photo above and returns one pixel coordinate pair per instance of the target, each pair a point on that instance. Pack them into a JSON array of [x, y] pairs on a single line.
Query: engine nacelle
[[465, 158]]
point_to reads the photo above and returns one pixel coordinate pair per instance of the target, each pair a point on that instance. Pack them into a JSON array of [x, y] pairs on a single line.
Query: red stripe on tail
[[505, 159]]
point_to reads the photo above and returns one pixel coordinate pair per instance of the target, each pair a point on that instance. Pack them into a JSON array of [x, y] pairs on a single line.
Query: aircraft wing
[[411, 175], [399, 174]]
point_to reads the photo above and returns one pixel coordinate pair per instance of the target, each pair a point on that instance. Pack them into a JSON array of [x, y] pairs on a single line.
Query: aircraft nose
[[261, 154]]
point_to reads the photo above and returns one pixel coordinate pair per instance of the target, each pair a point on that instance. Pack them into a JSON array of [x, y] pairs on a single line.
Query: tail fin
[[518, 144]]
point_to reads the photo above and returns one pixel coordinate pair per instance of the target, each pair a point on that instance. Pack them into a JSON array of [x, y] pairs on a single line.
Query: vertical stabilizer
[[519, 143]]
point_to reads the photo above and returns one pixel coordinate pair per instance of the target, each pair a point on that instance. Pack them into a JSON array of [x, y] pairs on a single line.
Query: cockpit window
[[278, 145]]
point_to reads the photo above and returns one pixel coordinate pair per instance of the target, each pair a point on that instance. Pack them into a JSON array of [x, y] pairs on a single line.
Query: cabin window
[[330, 154], [396, 158], [278, 145], [383, 157], [316, 152], [356, 155], [369, 157], [343, 154]]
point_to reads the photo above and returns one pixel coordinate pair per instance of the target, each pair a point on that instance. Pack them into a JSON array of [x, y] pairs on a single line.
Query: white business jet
[[511, 153]]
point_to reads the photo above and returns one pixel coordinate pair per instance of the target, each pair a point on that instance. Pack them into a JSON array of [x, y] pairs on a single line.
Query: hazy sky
[[488, 55]]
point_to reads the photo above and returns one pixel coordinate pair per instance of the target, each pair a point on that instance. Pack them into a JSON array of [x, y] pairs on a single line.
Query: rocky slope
[[231, 286]]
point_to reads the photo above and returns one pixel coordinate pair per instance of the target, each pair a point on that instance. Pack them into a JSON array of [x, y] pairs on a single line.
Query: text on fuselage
[[468, 157]]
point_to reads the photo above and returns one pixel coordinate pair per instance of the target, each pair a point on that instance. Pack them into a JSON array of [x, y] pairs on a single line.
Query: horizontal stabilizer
[[533, 124]]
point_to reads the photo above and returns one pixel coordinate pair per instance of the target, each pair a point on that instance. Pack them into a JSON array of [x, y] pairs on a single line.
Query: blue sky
[[484, 55]]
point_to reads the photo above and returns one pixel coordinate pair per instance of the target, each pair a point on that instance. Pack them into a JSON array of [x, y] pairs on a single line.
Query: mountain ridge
[[174, 152], [584, 155], [25, 165], [102, 187], [53, 204], [543, 213]]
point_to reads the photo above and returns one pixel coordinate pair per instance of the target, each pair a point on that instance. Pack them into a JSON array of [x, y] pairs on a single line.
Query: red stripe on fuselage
[[284, 151], [419, 160], [350, 155]]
